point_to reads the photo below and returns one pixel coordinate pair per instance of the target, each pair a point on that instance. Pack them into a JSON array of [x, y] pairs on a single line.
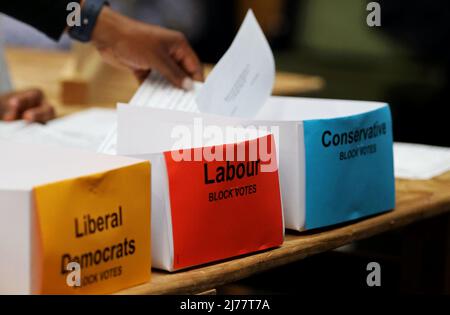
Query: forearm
[[108, 27], [121, 41], [48, 16]]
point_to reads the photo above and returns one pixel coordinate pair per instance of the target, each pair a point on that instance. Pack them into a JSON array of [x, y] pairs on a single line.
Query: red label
[[222, 209]]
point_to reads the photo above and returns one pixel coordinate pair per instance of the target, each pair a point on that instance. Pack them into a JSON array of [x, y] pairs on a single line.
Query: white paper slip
[[84, 130], [238, 86], [90, 126], [161, 130], [418, 161], [243, 79], [9, 128], [93, 123], [39, 134], [157, 92], [154, 92]]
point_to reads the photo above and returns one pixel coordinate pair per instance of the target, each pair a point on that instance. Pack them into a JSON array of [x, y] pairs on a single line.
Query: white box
[[25, 169], [322, 184], [250, 219]]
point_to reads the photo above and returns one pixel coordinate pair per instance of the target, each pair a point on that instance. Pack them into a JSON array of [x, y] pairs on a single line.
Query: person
[[121, 41], [29, 105]]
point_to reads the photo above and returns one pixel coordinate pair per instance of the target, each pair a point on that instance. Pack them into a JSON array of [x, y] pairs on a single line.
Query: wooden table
[[416, 200], [44, 69]]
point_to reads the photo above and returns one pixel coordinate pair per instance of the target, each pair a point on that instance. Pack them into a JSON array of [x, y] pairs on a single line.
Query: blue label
[[349, 167]]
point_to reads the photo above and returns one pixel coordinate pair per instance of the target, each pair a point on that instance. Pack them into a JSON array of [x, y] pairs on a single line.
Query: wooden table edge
[[298, 246]]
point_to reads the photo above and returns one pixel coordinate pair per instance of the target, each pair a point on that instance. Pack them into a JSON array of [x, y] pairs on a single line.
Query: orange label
[[101, 222], [222, 209]]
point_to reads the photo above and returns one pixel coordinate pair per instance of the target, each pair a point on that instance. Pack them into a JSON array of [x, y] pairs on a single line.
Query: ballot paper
[[155, 92], [83, 130], [39, 134], [243, 79], [240, 90], [8, 128], [418, 161], [92, 124]]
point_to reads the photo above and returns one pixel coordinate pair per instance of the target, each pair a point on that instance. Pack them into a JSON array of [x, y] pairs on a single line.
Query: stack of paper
[[84, 130], [417, 161]]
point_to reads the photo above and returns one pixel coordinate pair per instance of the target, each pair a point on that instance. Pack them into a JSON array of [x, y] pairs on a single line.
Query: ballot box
[[211, 200], [72, 222], [335, 159]]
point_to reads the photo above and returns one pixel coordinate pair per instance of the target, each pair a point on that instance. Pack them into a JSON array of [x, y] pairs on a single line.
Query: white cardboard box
[[24, 168], [324, 182], [221, 228]]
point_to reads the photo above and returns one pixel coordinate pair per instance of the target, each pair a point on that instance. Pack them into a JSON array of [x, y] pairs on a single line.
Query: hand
[[142, 47], [29, 105]]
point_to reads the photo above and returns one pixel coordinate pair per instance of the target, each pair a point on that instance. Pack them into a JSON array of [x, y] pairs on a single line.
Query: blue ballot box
[[335, 159], [349, 167]]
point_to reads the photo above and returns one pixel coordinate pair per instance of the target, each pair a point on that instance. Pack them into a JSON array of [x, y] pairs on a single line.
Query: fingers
[[19, 102], [41, 114], [187, 58], [141, 75], [141, 47], [28, 105], [174, 73], [180, 64]]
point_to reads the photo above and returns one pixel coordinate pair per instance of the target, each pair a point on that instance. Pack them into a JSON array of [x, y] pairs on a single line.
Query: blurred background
[[405, 62]]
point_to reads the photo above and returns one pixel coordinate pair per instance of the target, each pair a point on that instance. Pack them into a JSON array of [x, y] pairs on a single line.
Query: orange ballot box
[[72, 222], [211, 200]]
